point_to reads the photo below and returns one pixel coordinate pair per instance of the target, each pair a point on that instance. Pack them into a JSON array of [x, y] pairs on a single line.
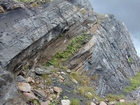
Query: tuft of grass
[[134, 83], [60, 35], [75, 102], [26, 1], [94, 77], [112, 97], [82, 79], [130, 60], [125, 103], [87, 92], [60, 57], [75, 75], [33, 102]]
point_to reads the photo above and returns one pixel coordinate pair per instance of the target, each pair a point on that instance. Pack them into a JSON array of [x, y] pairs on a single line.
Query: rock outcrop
[[30, 37]]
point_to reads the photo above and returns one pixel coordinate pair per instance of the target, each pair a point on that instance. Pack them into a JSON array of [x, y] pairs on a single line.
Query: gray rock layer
[[109, 57], [29, 37]]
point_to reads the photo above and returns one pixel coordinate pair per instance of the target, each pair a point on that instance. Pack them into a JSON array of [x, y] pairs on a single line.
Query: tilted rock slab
[[106, 57], [29, 37]]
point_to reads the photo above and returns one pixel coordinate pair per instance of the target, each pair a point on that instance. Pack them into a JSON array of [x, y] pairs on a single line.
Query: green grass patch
[[130, 60], [26, 1], [82, 79], [60, 57], [112, 97], [87, 92], [125, 103], [134, 83], [74, 102]]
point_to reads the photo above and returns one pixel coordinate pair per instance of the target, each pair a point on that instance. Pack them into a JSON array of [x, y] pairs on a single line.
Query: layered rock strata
[[30, 37]]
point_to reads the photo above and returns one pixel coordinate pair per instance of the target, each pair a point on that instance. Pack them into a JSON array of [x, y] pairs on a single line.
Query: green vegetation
[[75, 102], [130, 60], [60, 35], [125, 103], [87, 92], [134, 83], [26, 1], [82, 79], [112, 97], [83, 87], [29, 1], [33, 102], [60, 57], [47, 81]]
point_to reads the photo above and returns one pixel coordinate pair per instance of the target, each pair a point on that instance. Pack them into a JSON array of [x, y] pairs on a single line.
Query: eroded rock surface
[[30, 37], [106, 57]]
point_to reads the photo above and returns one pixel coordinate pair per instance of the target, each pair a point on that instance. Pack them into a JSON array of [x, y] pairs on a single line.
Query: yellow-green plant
[[75, 101], [134, 83], [112, 97], [75, 44], [125, 103], [26, 1]]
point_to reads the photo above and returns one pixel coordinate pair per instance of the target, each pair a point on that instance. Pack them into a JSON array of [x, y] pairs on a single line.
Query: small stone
[[21, 79], [102, 103], [42, 71], [30, 96], [92, 103], [30, 79], [40, 92], [60, 77], [1, 9], [51, 91], [63, 73], [46, 103], [73, 80], [68, 71], [57, 89], [112, 103], [37, 82], [60, 80], [58, 73], [24, 86], [65, 102], [122, 100], [89, 93]]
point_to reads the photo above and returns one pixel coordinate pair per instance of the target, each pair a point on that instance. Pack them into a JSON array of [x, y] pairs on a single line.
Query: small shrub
[[26, 1], [134, 83], [94, 77], [75, 102], [130, 60], [60, 35], [125, 103], [87, 92], [75, 75]]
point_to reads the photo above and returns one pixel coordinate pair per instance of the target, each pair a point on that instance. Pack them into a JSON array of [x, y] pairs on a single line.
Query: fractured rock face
[[107, 56], [37, 34]]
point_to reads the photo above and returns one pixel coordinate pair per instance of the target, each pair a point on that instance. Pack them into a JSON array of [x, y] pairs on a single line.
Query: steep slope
[[32, 38], [109, 57]]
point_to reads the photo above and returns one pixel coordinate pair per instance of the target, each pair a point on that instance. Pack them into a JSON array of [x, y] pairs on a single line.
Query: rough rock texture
[[33, 37], [106, 57]]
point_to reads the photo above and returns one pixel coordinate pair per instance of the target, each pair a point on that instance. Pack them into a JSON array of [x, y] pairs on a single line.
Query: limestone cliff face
[[29, 37]]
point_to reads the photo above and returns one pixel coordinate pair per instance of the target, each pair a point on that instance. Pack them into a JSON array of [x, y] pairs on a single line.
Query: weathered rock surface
[[106, 57], [33, 38]]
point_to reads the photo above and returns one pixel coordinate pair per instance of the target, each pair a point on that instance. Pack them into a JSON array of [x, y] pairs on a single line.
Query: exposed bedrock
[[30, 37]]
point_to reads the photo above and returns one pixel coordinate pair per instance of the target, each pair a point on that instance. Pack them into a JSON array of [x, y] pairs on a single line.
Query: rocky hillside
[[63, 34]]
